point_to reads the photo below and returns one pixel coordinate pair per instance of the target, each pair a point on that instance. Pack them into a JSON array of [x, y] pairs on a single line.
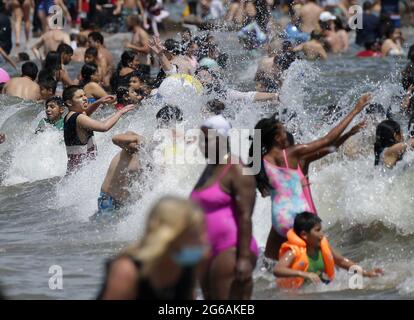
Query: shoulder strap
[[285, 157]]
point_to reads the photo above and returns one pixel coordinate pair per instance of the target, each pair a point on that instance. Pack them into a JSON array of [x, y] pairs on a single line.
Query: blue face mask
[[189, 256]]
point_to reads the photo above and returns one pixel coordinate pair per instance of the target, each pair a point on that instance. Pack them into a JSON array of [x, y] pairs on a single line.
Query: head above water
[[54, 109], [308, 226], [95, 39], [47, 87], [133, 21], [169, 115], [30, 69], [91, 55], [129, 59], [89, 73], [66, 53], [387, 134], [75, 98], [173, 225]]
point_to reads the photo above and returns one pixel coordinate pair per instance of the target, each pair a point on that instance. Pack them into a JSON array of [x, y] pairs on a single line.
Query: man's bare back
[[312, 49], [52, 39], [309, 16], [140, 38], [124, 167], [22, 87]]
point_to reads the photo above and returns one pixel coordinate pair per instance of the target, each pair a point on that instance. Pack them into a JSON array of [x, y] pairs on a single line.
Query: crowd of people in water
[[205, 240]]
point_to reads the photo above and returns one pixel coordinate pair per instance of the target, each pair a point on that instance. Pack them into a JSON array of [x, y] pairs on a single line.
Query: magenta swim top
[[221, 217]]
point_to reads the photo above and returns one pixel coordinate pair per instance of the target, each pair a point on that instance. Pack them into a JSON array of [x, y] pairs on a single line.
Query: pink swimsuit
[[220, 214]]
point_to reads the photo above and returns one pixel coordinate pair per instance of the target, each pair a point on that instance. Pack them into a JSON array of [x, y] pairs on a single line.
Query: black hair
[[96, 36], [389, 31], [88, 70], [375, 108], [284, 60], [172, 46], [48, 83], [167, 114], [268, 128], [385, 137], [411, 127], [120, 95], [222, 60], [51, 64], [91, 52], [23, 56], [57, 100], [315, 35], [81, 40], [126, 58], [64, 48], [410, 55], [215, 106], [69, 92], [30, 70], [305, 221], [290, 138], [369, 44]]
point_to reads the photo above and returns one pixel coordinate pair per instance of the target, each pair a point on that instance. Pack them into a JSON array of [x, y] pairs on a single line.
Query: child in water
[[54, 112], [306, 256], [389, 146]]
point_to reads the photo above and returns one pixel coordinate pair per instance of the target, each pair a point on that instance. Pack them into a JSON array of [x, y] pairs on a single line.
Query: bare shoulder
[[124, 266]]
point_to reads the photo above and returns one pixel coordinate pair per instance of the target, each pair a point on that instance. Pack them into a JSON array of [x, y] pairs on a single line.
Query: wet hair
[[30, 70], [410, 55], [96, 36], [324, 25], [81, 40], [315, 35], [88, 70], [285, 60], [172, 46], [48, 84], [135, 19], [69, 92], [91, 52], [215, 106], [385, 137], [290, 138], [120, 95], [52, 63], [375, 108], [23, 56], [167, 114], [268, 82], [57, 100], [127, 57], [389, 31], [222, 60], [268, 127], [369, 44], [64, 48], [305, 221]]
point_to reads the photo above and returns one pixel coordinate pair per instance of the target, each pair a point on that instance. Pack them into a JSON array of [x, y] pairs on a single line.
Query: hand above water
[[363, 101]]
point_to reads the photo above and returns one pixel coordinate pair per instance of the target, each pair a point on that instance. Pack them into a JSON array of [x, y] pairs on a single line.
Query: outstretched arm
[[94, 106], [301, 150], [345, 263], [158, 49], [102, 126]]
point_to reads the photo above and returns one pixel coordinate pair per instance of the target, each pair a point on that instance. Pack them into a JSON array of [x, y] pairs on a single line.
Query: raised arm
[[122, 140], [102, 126], [158, 49], [301, 150], [94, 106]]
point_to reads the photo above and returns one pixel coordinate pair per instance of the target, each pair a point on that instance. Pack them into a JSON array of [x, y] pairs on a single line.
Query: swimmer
[[105, 60], [281, 175], [25, 86], [389, 147], [55, 108], [314, 48], [90, 82], [227, 196], [392, 46], [79, 127], [164, 264], [122, 173], [306, 257], [50, 41]]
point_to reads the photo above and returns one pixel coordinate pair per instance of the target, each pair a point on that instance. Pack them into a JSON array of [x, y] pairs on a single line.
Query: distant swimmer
[[25, 86], [392, 46], [2, 137], [389, 147], [306, 257], [313, 49], [55, 109], [122, 172], [309, 15], [50, 41], [79, 127]]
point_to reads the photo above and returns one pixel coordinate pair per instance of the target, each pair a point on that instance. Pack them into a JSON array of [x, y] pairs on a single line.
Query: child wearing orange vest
[[307, 255]]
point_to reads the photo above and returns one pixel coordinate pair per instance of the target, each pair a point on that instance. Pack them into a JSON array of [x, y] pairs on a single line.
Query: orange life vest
[[301, 262]]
